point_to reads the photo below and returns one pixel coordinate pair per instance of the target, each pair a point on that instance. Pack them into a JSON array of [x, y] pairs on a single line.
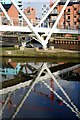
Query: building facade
[[19, 3], [2, 1], [30, 14], [70, 18], [45, 9], [15, 16]]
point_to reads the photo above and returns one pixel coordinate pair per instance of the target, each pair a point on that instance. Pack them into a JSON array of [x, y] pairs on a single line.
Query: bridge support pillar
[[44, 44]]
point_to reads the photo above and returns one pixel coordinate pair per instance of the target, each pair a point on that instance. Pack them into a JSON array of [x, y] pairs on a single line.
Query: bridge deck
[[27, 77], [4, 28], [62, 66]]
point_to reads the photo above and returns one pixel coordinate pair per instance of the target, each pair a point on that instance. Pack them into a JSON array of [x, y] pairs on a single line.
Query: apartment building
[[70, 18], [45, 9], [12, 12], [30, 13], [15, 16]]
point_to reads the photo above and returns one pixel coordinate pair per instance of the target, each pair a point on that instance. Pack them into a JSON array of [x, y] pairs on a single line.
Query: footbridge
[[5, 28], [37, 29]]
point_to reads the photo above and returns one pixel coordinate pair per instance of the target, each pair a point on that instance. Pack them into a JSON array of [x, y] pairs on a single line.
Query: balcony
[[79, 11], [68, 13], [54, 12], [68, 20], [79, 26], [51, 21], [78, 19]]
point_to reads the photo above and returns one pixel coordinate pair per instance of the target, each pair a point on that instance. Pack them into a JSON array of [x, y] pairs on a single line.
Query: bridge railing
[[21, 22]]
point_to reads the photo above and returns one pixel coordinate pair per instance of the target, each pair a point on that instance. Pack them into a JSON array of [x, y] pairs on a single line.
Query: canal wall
[[71, 43]]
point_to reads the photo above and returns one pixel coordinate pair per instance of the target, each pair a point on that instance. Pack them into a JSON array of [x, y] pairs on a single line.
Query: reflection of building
[[2, 1], [10, 68], [71, 16]]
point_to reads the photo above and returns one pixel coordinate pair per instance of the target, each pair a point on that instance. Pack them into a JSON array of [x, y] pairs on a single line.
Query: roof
[[9, 65], [7, 6], [70, 3]]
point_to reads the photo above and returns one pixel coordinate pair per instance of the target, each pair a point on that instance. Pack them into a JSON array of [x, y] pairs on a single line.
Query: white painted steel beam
[[4, 28], [4, 11]]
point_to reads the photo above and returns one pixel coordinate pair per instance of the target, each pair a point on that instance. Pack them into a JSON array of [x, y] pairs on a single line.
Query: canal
[[40, 90]]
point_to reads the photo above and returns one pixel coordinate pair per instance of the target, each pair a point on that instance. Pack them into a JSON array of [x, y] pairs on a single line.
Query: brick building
[[30, 14], [16, 17], [12, 12], [70, 18]]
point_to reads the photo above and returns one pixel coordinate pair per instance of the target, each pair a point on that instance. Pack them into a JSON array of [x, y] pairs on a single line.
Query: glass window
[[68, 10], [74, 16], [74, 23], [68, 17], [75, 8]]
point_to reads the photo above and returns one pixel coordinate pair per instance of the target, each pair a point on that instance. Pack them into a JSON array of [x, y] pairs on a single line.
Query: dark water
[[41, 102]]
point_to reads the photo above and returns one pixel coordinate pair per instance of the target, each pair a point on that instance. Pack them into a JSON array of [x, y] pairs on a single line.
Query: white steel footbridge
[[37, 29]]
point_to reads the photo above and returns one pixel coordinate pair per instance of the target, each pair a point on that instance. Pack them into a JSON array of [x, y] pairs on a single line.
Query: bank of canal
[[39, 53]]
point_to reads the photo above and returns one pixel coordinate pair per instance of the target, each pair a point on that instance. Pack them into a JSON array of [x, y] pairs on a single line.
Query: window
[[68, 17], [74, 16], [74, 23], [28, 11], [68, 10], [75, 8]]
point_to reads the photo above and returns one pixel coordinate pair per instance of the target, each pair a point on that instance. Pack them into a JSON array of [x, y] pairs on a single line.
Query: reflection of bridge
[[41, 78], [28, 71], [36, 30]]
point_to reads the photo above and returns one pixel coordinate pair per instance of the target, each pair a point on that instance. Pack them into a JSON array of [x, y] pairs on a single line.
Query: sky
[[35, 4]]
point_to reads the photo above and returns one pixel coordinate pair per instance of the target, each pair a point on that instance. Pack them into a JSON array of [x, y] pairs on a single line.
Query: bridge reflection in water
[[43, 93]]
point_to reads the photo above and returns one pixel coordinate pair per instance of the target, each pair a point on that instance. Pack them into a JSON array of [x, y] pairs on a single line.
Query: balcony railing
[[79, 19], [68, 13], [55, 12], [68, 20], [79, 11], [79, 26]]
